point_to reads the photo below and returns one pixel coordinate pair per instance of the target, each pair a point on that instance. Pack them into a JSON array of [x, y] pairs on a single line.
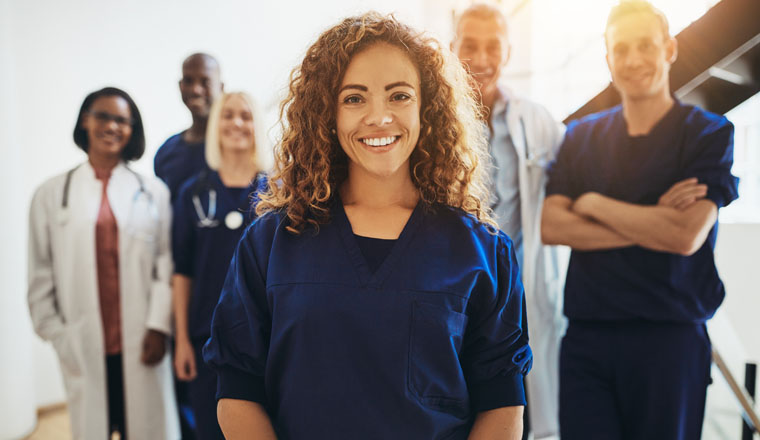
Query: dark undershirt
[[375, 250]]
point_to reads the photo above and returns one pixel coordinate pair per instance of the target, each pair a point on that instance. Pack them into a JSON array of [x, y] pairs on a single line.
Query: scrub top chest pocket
[[435, 373]]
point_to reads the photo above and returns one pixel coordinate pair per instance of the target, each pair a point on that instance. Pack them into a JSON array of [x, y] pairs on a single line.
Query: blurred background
[[53, 53]]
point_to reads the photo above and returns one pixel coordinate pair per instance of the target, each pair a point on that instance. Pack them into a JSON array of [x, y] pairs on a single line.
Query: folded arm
[[659, 228], [560, 224]]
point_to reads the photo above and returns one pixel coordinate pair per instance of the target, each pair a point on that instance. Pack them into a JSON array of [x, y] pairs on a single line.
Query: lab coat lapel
[[120, 193]]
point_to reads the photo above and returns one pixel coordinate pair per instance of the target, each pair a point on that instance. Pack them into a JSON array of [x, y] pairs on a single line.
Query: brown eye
[[352, 99], [400, 97]]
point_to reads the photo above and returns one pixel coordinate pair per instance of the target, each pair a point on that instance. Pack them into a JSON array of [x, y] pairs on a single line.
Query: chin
[[385, 172]]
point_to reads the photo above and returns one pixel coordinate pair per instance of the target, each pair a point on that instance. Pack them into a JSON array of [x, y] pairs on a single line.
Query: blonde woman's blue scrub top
[[204, 253], [414, 350]]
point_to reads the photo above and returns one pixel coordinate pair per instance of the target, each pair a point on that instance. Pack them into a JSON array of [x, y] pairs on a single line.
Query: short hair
[[483, 11], [205, 58], [448, 163], [630, 7], [135, 146], [214, 147]]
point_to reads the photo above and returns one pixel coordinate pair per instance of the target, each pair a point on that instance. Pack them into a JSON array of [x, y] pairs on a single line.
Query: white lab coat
[[64, 300], [536, 137]]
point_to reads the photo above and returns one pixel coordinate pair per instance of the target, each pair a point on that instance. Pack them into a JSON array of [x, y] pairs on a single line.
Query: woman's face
[[236, 132], [378, 113], [108, 124]]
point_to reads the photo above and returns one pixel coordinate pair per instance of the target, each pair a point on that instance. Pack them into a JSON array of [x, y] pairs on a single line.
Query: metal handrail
[[745, 401]]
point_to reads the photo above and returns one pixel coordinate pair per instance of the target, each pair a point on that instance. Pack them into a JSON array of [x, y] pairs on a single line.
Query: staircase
[[718, 65]]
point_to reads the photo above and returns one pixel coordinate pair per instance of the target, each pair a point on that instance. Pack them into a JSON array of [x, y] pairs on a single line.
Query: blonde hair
[[631, 7], [482, 11], [448, 163], [213, 145]]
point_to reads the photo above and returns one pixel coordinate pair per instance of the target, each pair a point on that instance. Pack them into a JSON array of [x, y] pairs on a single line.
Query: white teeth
[[379, 142]]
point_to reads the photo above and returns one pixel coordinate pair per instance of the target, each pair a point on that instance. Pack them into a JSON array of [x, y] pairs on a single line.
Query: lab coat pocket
[[435, 374], [67, 355], [143, 223]]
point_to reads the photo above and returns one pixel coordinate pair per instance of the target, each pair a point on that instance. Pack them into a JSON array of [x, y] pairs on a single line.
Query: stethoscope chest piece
[[233, 220]]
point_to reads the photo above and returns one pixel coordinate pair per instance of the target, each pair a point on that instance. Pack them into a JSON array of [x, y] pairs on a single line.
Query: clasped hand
[[680, 196]]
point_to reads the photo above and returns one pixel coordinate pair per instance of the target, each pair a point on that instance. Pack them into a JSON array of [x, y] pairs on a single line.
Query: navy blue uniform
[[636, 358], [203, 253], [177, 160], [333, 350]]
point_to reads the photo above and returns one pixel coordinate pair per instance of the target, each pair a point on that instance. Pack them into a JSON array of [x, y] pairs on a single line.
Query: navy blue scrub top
[[412, 351], [177, 160], [633, 282], [204, 253]]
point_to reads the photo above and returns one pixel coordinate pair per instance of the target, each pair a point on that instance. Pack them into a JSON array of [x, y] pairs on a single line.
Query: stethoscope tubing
[[141, 190], [206, 220]]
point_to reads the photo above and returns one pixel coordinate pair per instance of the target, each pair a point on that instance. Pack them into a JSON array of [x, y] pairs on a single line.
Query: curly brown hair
[[448, 164]]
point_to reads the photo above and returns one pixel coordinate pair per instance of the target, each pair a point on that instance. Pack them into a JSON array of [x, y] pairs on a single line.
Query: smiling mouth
[[111, 139], [197, 100], [638, 77], [379, 141]]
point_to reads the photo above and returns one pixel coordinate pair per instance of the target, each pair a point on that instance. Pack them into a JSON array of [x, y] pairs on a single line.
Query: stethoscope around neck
[[233, 220], [63, 215]]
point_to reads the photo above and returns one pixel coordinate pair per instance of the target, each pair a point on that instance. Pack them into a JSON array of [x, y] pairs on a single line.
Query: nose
[[634, 59], [111, 125], [198, 88], [479, 58], [379, 114]]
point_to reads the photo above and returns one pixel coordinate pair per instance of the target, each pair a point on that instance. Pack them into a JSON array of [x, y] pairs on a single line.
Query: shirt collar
[[500, 105]]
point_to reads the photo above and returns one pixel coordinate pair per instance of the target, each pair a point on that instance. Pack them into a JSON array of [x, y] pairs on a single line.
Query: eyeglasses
[[103, 117]]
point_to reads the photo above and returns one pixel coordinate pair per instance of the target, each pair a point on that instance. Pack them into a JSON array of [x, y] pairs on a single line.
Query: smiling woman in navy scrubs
[[210, 214], [373, 298]]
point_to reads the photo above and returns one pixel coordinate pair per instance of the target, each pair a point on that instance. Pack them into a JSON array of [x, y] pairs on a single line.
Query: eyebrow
[[364, 88], [353, 86], [398, 84]]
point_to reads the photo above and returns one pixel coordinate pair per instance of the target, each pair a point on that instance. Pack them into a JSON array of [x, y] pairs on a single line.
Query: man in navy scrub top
[[635, 191], [373, 298], [182, 156]]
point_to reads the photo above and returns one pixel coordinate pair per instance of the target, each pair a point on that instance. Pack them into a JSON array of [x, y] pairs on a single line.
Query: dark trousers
[[633, 380], [115, 385], [201, 393]]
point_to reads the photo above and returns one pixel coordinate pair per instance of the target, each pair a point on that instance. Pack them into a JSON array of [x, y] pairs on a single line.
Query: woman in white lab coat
[[99, 270]]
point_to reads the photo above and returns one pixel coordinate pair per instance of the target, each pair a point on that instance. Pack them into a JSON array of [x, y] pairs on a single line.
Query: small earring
[[333, 131]]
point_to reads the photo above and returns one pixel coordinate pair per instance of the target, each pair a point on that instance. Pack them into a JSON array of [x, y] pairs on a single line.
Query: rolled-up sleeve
[[241, 327], [711, 161], [495, 354]]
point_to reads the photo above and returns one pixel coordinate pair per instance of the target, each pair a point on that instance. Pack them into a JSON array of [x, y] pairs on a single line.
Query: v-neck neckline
[[662, 125], [244, 194], [361, 267]]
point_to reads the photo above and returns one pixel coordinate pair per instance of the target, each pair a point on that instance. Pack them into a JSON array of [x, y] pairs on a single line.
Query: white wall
[[735, 327], [17, 385]]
